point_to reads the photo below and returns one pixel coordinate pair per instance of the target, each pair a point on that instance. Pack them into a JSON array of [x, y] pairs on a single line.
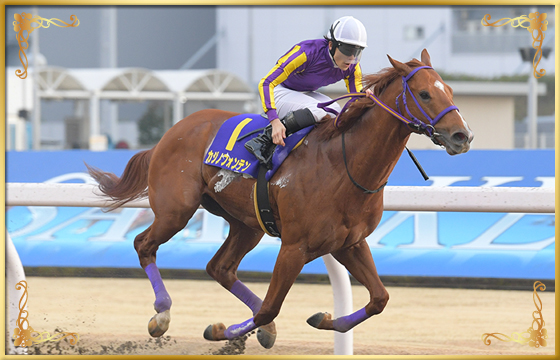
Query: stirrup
[[253, 145], [264, 154]]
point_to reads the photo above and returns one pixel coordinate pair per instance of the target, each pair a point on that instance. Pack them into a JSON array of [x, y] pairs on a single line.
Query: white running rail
[[396, 198]]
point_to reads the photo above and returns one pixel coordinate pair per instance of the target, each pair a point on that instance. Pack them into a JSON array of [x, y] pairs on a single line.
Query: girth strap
[[263, 210]]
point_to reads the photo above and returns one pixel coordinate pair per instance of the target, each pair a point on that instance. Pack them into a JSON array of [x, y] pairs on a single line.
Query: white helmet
[[348, 30]]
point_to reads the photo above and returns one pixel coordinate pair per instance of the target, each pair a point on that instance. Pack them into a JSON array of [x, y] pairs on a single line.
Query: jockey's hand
[[369, 92], [278, 132]]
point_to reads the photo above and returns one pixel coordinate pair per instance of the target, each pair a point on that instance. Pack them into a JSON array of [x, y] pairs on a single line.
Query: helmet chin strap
[[333, 41], [331, 52]]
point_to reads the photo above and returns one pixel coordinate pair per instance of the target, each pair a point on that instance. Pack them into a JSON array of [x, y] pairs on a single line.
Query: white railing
[[397, 198]]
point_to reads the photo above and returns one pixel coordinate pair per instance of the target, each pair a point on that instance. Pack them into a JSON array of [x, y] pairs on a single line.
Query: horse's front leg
[[223, 268], [359, 262], [288, 265]]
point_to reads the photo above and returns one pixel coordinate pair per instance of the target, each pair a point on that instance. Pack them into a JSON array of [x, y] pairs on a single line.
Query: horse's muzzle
[[456, 143]]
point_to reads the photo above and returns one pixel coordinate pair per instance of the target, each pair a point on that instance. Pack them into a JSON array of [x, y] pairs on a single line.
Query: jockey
[[288, 92]]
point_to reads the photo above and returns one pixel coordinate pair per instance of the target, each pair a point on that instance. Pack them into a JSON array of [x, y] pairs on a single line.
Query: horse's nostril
[[459, 138]]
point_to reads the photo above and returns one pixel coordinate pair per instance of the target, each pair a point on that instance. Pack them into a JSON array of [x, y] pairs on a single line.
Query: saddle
[[227, 152]]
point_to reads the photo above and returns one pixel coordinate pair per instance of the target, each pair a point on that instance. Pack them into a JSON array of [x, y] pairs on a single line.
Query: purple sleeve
[[285, 66], [272, 114]]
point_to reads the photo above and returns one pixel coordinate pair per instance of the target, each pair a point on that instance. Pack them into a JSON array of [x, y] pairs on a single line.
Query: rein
[[366, 191], [415, 123]]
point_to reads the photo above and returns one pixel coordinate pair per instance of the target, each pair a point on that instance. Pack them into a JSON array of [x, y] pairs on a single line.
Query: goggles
[[350, 50]]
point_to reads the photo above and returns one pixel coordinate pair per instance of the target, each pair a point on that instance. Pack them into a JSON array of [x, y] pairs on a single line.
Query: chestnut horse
[[318, 208]]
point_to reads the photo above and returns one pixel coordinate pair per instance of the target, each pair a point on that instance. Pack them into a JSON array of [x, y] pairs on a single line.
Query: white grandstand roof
[[136, 84], [140, 84]]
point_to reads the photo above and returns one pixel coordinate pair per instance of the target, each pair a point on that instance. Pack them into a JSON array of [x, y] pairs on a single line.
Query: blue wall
[[405, 243]]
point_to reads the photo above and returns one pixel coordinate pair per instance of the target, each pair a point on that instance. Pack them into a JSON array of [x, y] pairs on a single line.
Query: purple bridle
[[414, 122], [420, 125]]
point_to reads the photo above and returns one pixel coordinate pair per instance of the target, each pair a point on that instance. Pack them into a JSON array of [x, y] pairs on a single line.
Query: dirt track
[[111, 317]]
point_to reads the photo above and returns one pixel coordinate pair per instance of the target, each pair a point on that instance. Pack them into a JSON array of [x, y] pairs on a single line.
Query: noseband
[[416, 123]]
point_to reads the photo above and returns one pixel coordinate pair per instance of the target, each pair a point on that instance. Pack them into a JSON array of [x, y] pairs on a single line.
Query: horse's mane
[[378, 83]]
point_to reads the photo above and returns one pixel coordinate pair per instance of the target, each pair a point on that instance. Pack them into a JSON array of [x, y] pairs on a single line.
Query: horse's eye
[[425, 95]]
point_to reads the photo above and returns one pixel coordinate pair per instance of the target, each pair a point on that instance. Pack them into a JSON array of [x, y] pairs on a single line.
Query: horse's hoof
[[159, 323], [321, 321], [215, 332], [208, 333], [266, 335]]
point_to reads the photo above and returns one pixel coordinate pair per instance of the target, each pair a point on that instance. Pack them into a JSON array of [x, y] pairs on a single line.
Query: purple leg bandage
[[163, 300], [247, 296], [239, 329], [345, 323]]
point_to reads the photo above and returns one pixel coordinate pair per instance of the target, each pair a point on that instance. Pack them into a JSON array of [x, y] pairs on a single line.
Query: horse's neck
[[375, 144]]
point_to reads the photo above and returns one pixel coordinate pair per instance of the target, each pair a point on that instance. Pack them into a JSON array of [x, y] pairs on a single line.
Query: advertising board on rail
[[406, 243]]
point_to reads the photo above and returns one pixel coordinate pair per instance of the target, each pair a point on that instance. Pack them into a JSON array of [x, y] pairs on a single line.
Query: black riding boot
[[263, 147]]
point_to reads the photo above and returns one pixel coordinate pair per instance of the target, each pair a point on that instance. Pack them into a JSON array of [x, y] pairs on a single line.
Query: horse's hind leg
[[223, 268], [165, 225], [359, 262]]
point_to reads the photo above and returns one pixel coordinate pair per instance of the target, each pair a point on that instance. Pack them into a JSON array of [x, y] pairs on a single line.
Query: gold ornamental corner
[[24, 26], [532, 337], [536, 24], [25, 336]]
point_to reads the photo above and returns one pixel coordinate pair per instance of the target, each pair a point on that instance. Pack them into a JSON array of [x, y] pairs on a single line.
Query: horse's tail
[[132, 185]]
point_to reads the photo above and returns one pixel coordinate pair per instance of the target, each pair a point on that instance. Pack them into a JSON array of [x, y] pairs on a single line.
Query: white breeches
[[288, 100]]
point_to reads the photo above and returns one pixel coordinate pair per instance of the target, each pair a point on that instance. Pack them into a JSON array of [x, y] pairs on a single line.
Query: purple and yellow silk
[[306, 67]]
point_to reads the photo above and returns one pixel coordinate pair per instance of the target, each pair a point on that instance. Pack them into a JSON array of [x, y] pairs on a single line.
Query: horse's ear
[[426, 58], [403, 69]]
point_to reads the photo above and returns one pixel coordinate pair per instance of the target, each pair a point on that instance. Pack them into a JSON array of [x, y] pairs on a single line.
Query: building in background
[[252, 38], [131, 37], [246, 42]]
